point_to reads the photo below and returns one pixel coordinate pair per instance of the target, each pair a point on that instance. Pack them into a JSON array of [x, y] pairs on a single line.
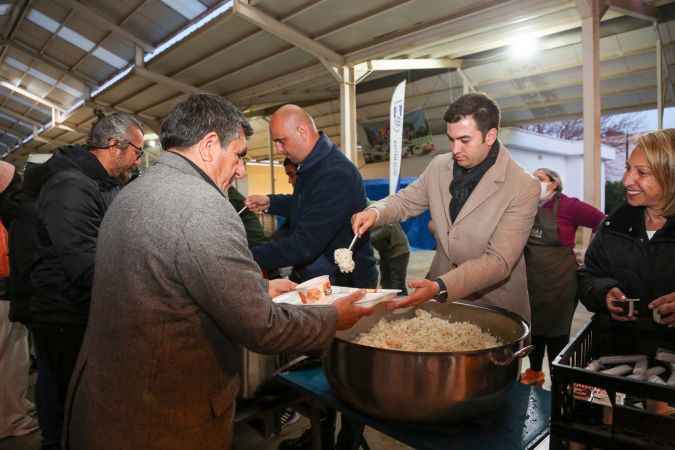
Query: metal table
[[522, 423]]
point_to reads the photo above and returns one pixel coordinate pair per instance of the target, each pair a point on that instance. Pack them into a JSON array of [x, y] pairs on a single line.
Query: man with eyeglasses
[[72, 192]]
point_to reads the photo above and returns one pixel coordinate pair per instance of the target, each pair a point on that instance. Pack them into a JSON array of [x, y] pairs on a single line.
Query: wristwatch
[[442, 295]]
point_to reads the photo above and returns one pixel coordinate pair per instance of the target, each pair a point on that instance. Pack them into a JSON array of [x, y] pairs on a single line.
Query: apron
[[551, 276]]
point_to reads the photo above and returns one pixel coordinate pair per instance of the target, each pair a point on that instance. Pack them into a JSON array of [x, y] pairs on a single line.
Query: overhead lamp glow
[[524, 46]]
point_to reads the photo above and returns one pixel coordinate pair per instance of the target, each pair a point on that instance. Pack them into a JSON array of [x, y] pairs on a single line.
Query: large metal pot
[[428, 387]]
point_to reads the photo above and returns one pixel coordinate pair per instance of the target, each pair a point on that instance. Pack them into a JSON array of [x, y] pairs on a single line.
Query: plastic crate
[[622, 427]]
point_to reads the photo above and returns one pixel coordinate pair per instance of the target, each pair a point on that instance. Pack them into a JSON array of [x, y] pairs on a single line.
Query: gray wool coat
[[176, 294]]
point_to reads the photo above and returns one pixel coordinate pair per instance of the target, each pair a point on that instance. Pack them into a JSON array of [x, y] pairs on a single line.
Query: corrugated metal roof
[[259, 70]]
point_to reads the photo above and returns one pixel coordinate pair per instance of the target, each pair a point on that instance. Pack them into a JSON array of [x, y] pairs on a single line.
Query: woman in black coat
[[633, 254]]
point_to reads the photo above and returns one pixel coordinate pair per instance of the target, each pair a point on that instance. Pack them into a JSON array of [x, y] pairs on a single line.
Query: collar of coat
[[630, 221], [321, 149], [182, 164], [71, 157], [498, 170], [489, 184]]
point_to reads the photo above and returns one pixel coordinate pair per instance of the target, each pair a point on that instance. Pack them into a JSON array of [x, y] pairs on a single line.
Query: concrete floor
[[246, 438]]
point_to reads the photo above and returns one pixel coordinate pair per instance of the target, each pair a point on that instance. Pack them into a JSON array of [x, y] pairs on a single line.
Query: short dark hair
[[112, 126], [482, 108], [198, 115]]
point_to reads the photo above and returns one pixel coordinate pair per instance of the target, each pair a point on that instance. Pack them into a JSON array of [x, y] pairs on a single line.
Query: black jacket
[[23, 247], [328, 192], [73, 192], [621, 255]]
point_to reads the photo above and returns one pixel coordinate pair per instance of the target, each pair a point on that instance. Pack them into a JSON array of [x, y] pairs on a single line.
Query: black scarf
[[464, 181]]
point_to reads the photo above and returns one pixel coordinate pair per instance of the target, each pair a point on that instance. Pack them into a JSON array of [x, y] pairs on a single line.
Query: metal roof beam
[[471, 21], [448, 27], [413, 64], [282, 82], [31, 96], [637, 9], [30, 51], [22, 118], [573, 82], [45, 140], [109, 24], [6, 131], [72, 128], [279, 29], [278, 83], [150, 121], [167, 81], [19, 11]]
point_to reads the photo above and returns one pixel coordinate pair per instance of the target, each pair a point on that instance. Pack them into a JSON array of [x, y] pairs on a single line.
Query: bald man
[[328, 190]]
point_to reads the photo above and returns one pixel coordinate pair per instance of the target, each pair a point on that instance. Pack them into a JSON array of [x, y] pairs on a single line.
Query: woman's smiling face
[[642, 188]]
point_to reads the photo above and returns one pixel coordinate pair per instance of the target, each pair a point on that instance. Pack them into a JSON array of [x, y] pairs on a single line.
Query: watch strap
[[442, 295]]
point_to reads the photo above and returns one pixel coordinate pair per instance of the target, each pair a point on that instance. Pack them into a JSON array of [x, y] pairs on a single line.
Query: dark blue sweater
[[328, 192]]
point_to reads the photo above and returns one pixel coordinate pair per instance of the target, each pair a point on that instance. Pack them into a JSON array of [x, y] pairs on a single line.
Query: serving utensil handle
[[356, 236]]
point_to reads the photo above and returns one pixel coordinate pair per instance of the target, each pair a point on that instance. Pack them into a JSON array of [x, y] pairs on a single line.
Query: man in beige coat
[[483, 205]]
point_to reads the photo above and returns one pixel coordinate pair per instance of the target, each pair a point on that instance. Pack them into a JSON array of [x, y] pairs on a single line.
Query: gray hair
[[199, 115], [553, 176], [112, 126]]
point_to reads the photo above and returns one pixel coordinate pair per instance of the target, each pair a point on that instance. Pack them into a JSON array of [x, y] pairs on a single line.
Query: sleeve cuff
[[377, 213]]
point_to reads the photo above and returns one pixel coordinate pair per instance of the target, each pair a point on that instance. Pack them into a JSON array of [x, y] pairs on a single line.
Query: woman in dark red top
[[551, 269]]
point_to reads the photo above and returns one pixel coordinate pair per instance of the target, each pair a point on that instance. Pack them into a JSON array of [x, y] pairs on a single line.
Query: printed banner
[[396, 111], [416, 138]]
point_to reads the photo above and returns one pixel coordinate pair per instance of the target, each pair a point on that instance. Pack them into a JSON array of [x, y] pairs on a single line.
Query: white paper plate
[[316, 281], [370, 299]]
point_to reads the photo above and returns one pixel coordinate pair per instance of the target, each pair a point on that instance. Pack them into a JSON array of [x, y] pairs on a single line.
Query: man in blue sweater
[[329, 189]]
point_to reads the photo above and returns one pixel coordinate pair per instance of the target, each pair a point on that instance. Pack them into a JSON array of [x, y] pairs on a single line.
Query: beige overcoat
[[480, 255]]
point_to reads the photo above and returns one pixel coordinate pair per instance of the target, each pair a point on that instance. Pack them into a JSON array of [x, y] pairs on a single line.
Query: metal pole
[[659, 78], [626, 141], [591, 99], [348, 113], [271, 155]]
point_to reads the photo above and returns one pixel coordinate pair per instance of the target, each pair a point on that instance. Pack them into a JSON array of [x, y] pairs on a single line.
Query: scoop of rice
[[425, 333], [343, 258]]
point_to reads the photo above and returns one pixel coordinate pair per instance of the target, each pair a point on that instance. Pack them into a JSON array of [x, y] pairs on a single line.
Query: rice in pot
[[425, 333]]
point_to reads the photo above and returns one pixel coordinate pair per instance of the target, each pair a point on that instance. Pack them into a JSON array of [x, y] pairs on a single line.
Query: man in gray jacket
[[176, 293]]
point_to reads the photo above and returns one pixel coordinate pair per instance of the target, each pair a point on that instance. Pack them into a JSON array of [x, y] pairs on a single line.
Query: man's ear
[[491, 136], [208, 146], [302, 131]]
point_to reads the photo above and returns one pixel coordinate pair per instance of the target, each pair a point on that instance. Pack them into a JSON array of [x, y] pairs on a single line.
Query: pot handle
[[523, 352], [509, 359], [289, 365]]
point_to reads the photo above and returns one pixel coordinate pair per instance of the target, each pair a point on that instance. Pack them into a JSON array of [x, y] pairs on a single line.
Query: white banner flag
[[396, 135]]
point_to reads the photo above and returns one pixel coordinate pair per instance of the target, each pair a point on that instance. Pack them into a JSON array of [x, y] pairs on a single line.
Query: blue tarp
[[415, 228]]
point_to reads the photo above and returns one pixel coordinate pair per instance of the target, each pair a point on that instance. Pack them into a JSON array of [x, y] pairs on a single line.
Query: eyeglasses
[[139, 150]]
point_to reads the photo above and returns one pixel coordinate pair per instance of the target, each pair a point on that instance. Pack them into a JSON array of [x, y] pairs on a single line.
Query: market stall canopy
[[143, 56]]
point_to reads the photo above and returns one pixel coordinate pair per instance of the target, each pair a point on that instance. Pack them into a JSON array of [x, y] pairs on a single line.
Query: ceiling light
[[524, 46]]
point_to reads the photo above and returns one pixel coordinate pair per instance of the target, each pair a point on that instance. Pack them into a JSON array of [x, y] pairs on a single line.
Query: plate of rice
[[319, 292]]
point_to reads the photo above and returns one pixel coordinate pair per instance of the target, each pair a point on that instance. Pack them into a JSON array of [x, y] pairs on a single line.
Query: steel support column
[[590, 11], [659, 79], [348, 113]]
